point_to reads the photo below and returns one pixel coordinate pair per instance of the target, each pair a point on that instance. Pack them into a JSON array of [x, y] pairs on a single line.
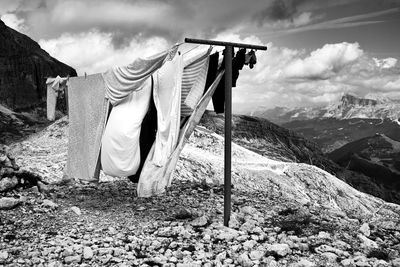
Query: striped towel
[[193, 82]]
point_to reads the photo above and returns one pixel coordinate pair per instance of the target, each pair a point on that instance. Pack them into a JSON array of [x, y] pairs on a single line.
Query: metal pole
[[220, 43], [228, 113], [228, 133]]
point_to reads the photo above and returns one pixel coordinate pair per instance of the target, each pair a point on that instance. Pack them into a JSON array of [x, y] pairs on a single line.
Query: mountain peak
[[349, 99], [378, 97], [372, 106]]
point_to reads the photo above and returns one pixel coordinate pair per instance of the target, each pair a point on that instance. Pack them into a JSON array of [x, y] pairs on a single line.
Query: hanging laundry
[[167, 99], [154, 180], [218, 98], [193, 79], [121, 81], [237, 64], [88, 109], [55, 88], [212, 70], [120, 150], [148, 133], [251, 59], [88, 102]]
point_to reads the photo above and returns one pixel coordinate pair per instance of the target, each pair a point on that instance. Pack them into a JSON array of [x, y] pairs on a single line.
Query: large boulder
[[24, 67]]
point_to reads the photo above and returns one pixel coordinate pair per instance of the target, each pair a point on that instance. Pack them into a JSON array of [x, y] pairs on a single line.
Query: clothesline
[[180, 83], [229, 49]]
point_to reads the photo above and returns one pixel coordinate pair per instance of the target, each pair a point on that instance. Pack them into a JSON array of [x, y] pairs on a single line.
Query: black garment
[[237, 64], [219, 95], [212, 70], [251, 59], [147, 135]]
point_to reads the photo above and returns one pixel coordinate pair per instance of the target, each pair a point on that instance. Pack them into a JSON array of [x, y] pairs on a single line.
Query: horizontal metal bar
[[211, 42]]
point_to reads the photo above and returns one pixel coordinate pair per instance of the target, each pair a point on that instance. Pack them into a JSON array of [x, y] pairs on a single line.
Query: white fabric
[[121, 81], [197, 90], [51, 103], [57, 83], [194, 78], [54, 87], [120, 151], [167, 98]]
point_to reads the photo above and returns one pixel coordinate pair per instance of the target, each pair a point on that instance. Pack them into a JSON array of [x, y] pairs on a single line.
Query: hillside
[[332, 133], [284, 214], [24, 67], [277, 143], [15, 126], [377, 157]]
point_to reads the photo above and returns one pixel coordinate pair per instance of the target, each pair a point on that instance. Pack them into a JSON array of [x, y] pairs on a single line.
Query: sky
[[317, 50]]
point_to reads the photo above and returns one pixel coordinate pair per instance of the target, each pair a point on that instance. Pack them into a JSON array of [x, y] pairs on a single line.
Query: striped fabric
[[193, 82]]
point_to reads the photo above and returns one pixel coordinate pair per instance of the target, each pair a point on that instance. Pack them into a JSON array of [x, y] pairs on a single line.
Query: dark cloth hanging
[[212, 70], [219, 95], [251, 59], [237, 64], [147, 135]]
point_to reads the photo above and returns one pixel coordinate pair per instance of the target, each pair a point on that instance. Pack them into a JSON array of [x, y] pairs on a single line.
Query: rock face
[[11, 176], [24, 67]]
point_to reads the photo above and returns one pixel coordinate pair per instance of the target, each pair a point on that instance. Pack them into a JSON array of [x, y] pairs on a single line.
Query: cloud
[[385, 63], [291, 77], [344, 22], [94, 52], [393, 85], [173, 19], [12, 21], [325, 62], [94, 35], [279, 10], [8, 6]]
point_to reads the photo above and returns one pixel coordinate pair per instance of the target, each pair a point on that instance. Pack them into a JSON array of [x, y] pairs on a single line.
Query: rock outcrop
[[24, 67], [11, 176]]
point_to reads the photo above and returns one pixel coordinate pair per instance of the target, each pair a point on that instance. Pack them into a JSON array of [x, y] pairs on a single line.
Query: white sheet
[[167, 98], [120, 151]]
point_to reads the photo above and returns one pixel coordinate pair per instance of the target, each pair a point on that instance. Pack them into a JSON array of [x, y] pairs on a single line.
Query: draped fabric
[[55, 86], [89, 100], [193, 82], [155, 179], [120, 150], [87, 112], [167, 99], [121, 81]]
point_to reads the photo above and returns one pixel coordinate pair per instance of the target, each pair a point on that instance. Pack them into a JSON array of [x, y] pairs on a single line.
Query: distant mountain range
[[360, 134], [373, 106]]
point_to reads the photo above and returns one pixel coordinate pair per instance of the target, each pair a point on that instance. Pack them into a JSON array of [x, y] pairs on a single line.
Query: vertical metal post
[[66, 99], [228, 133]]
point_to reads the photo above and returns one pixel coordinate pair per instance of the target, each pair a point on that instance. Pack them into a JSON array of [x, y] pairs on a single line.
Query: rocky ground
[[320, 221]]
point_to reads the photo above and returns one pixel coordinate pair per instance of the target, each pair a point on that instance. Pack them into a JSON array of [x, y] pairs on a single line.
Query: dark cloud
[[279, 10], [171, 19]]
